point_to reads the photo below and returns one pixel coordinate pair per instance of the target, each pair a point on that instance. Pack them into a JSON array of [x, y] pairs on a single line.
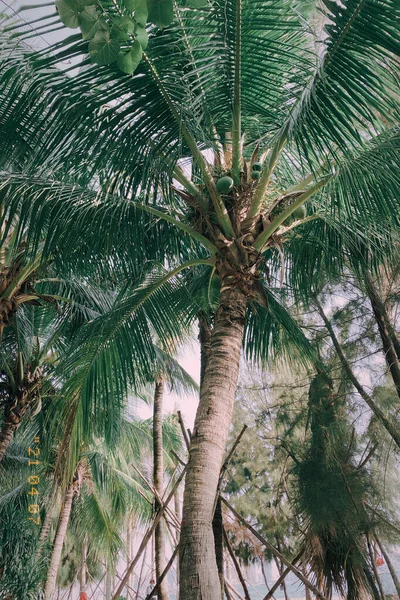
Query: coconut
[[257, 166], [225, 184], [289, 220], [300, 213], [255, 174]]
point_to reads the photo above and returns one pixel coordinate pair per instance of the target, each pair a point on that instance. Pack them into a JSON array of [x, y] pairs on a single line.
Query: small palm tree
[[246, 127]]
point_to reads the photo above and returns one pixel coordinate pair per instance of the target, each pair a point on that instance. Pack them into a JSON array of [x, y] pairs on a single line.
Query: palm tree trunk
[[58, 543], [388, 424], [205, 332], [199, 578], [6, 435], [158, 481], [391, 568], [109, 583]]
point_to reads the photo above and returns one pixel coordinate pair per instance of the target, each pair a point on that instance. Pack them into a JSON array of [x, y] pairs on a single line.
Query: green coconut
[[290, 219], [300, 213], [225, 184], [257, 166], [255, 174]]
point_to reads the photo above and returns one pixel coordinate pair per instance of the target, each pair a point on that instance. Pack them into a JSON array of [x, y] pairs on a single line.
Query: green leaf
[[139, 7], [122, 28], [161, 12], [90, 22], [141, 36], [129, 61], [68, 11], [103, 50], [197, 3]]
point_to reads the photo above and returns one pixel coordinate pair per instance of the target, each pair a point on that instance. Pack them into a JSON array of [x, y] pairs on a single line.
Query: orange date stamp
[[34, 480]]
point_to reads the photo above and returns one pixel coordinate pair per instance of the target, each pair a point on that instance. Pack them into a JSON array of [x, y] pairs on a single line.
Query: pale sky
[[189, 359]]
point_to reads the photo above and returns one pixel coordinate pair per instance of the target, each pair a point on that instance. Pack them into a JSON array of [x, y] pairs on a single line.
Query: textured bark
[[44, 532], [6, 435], [205, 331], [391, 568], [158, 482], [390, 343], [58, 543], [199, 578]]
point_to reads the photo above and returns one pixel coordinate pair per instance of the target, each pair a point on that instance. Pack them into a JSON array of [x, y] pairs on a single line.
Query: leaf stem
[[266, 234], [236, 116], [267, 172], [220, 210], [194, 234]]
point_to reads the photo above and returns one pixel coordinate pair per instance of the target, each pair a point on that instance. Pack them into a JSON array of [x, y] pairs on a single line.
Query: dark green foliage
[[331, 498]]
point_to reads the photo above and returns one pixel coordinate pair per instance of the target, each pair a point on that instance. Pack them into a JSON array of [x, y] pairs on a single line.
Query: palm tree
[[280, 125]]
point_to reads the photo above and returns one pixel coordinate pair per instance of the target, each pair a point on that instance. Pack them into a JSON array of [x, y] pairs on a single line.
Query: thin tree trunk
[[158, 482], [391, 427], [199, 579], [386, 331], [375, 570], [55, 559], [282, 577], [391, 568], [236, 565], [279, 564], [82, 572], [109, 583], [141, 573], [308, 595], [264, 574], [6, 435]]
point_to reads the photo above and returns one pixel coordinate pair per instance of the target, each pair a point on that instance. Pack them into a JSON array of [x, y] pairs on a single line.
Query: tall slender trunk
[[177, 510], [109, 583], [390, 343], [375, 570], [205, 331], [199, 578], [391, 568], [158, 481], [280, 566], [6, 435], [82, 572], [388, 424], [58, 543], [141, 573], [129, 554]]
